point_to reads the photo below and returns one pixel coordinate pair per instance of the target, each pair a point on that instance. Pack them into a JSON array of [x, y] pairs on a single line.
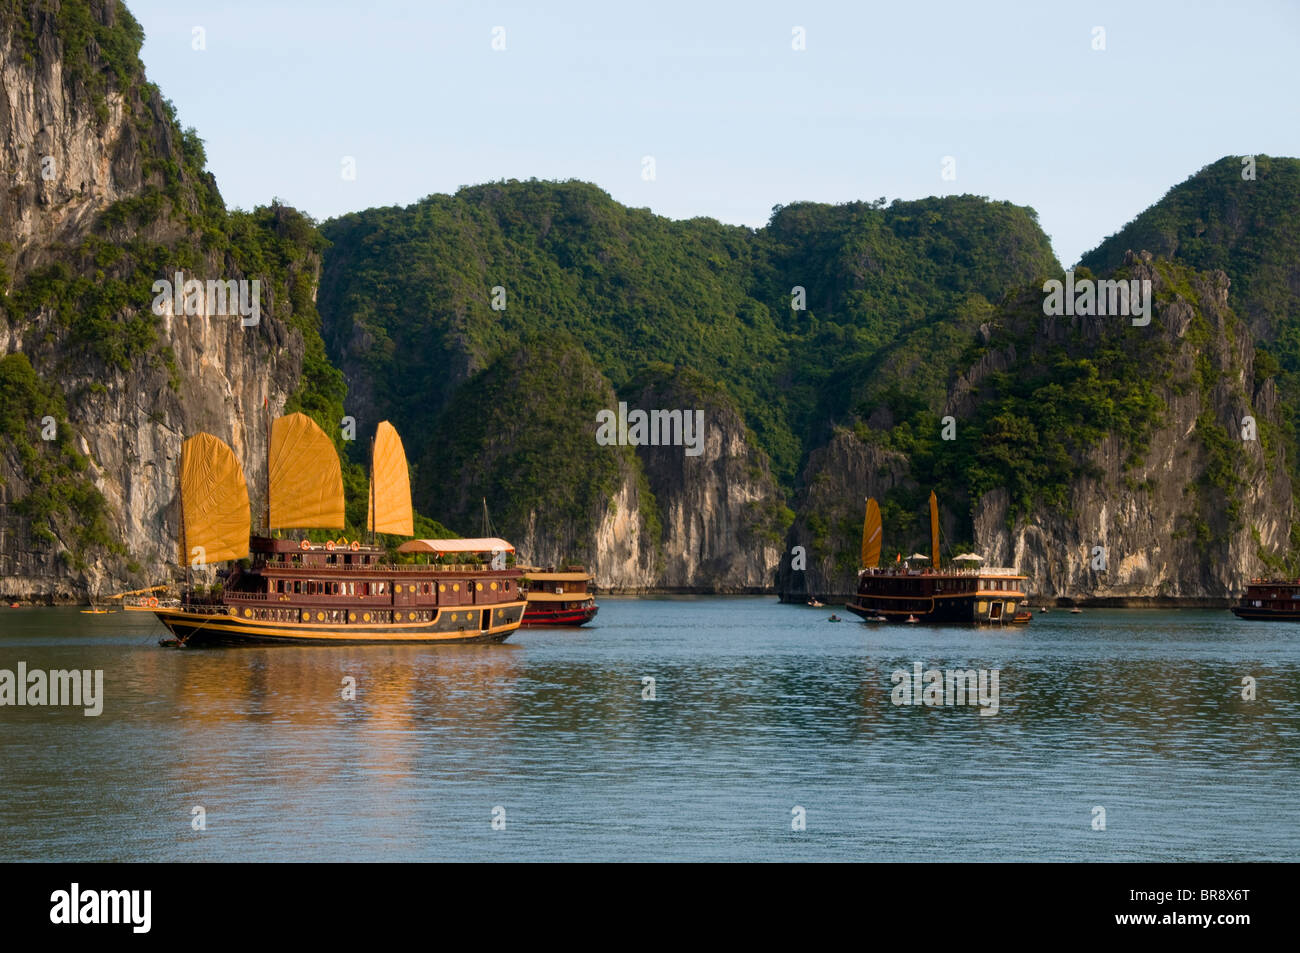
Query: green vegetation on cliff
[[60, 500], [407, 294], [535, 461]]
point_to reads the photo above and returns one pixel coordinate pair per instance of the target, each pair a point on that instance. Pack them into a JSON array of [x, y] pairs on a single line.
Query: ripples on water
[[759, 707]]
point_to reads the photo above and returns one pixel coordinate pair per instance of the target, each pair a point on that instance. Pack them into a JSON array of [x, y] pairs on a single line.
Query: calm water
[[759, 707]]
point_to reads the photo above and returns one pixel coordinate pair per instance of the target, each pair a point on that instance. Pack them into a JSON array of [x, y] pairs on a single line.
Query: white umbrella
[[968, 557]]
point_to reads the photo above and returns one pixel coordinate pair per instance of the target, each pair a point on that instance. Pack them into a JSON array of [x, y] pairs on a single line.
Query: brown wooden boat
[[297, 591], [916, 592], [1271, 600]]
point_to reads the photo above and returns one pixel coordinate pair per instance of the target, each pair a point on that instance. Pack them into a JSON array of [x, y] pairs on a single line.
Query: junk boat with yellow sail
[[297, 591], [915, 592]]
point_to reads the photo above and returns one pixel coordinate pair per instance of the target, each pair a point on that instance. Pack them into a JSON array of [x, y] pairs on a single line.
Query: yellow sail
[[214, 502], [306, 482], [934, 530], [871, 536], [389, 510]]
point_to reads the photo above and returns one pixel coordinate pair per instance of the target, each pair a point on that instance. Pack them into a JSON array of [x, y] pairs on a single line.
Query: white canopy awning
[[444, 546], [968, 557]]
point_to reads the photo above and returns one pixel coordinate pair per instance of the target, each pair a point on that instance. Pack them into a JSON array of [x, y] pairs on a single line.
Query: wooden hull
[[540, 614], [972, 609], [1266, 615], [488, 624]]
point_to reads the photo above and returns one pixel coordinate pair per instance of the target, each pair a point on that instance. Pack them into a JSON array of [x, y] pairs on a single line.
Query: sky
[[736, 120]]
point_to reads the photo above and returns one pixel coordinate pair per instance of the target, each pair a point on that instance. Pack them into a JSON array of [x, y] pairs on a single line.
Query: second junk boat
[[974, 596], [297, 591]]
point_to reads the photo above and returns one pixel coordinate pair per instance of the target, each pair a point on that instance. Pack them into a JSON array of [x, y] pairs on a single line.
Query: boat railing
[[380, 567], [203, 608], [986, 571]]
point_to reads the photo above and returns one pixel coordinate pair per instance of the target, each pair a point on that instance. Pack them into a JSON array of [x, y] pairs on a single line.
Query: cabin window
[[297, 586]]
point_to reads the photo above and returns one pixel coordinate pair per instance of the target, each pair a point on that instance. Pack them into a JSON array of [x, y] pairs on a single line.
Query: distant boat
[[559, 598], [339, 590], [93, 609], [815, 604], [973, 596], [1270, 600], [834, 618], [1075, 611]]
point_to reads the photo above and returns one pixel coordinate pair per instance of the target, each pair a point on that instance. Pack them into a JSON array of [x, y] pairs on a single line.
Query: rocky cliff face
[[721, 511], [73, 155], [625, 555], [822, 548], [1164, 529], [693, 508]]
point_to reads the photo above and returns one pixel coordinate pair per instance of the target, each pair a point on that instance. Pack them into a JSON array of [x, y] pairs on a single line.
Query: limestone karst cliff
[[107, 195]]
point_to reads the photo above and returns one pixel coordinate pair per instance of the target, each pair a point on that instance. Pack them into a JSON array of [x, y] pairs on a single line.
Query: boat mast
[[180, 499], [266, 420], [934, 530], [372, 513]]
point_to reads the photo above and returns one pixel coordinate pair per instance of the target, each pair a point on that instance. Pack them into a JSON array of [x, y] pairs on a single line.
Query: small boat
[[559, 598], [1022, 618], [877, 618], [1042, 610], [14, 605], [93, 609], [834, 618], [1270, 600], [1075, 611], [815, 604], [913, 619]]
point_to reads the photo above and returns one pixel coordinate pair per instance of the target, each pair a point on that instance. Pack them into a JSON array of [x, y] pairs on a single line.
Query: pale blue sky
[[735, 119]]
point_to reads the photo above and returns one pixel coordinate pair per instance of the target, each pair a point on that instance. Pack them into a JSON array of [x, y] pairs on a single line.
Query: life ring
[[329, 545], [305, 545], [355, 545], [153, 602]]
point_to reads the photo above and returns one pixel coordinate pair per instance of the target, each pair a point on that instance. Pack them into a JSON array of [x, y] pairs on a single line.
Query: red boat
[[559, 598]]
